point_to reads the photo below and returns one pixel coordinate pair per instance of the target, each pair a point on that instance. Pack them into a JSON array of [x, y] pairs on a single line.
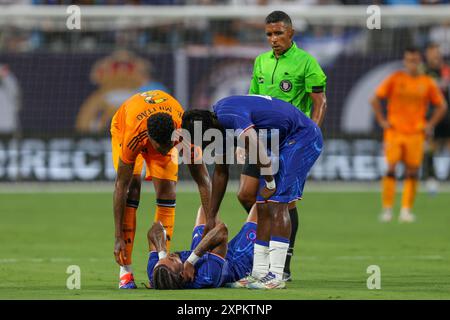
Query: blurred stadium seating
[[62, 86]]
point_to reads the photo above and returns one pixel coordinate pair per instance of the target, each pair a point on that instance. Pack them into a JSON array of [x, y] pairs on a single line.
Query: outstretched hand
[[119, 251]]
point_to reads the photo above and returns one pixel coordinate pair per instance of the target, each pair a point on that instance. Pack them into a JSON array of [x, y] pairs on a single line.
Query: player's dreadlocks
[[207, 119], [166, 279], [160, 127]]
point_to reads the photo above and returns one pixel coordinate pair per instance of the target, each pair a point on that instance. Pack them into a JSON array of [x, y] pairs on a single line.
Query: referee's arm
[[315, 80], [319, 107]]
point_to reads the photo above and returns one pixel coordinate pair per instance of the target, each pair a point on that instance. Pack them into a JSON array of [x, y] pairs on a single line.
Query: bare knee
[[247, 199], [412, 173], [391, 170]]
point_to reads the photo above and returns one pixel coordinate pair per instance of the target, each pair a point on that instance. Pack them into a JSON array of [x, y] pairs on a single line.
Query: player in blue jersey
[[300, 144], [211, 262]]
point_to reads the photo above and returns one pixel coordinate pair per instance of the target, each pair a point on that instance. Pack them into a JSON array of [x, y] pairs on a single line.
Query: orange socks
[[388, 195], [129, 228], [165, 212], [409, 193]]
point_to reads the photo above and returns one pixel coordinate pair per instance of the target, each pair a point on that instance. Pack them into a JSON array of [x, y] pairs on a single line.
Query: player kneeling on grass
[[300, 144], [211, 262]]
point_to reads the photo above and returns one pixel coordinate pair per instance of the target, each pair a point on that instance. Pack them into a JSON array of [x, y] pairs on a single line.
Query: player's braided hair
[[166, 279], [160, 127]]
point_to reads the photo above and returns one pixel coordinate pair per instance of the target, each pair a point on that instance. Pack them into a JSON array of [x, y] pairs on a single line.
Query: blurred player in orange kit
[[141, 130], [408, 94]]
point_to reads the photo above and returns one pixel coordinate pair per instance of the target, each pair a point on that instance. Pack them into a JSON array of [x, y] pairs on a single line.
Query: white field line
[[4, 261], [190, 186]]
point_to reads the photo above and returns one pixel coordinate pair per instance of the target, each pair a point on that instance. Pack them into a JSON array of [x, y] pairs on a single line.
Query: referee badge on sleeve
[[285, 85]]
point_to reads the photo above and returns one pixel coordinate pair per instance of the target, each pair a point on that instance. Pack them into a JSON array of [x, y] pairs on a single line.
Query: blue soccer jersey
[[300, 139], [212, 271], [209, 269], [261, 112]]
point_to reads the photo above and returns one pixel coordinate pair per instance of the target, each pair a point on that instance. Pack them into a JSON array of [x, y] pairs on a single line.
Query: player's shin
[[279, 239], [260, 259], [165, 212], [388, 196], [278, 248], [129, 231], [409, 192], [293, 214], [261, 249]]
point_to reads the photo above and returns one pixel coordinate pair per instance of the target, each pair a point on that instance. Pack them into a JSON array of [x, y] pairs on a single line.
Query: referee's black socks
[[293, 214]]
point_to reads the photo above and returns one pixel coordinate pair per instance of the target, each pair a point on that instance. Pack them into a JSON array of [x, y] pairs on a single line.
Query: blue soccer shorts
[[297, 156]]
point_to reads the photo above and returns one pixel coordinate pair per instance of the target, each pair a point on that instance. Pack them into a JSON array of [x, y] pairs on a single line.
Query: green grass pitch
[[41, 234]]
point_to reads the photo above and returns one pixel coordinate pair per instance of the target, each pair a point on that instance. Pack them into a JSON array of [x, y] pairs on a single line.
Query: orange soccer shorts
[[407, 148], [157, 165]]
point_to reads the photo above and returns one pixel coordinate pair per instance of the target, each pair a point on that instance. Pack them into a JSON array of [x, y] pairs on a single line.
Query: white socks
[[278, 248], [125, 269], [260, 259], [270, 257]]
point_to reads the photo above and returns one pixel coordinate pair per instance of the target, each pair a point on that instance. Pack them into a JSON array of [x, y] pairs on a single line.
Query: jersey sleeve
[[315, 78], [234, 118], [208, 274], [384, 89], [152, 261], [254, 88], [435, 94], [184, 255]]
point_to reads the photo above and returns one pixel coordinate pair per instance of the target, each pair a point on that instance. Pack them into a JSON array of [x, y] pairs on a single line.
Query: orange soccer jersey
[[129, 134], [408, 99]]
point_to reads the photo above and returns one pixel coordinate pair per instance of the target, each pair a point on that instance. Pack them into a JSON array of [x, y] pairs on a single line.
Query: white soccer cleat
[[242, 283], [406, 216], [386, 215], [269, 282]]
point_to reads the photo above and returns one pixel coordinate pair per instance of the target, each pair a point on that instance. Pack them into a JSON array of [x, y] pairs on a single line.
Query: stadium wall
[[89, 159]]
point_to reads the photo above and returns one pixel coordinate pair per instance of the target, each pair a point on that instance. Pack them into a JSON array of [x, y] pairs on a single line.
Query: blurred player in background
[[440, 141], [10, 102], [408, 94], [290, 74], [211, 262], [141, 130], [300, 144]]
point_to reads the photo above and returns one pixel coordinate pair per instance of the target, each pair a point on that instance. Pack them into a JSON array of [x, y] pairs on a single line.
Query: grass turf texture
[[41, 234]]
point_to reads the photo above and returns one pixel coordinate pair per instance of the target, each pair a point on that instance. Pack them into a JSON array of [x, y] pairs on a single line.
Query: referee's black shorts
[[251, 170]]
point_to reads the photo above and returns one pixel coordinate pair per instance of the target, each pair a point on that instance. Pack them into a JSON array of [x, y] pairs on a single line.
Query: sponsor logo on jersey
[[285, 85], [251, 235]]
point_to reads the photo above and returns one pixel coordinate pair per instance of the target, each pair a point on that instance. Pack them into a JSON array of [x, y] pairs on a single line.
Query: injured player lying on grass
[[212, 262]]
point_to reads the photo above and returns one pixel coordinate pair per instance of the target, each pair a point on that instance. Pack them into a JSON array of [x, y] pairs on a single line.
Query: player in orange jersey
[[408, 94], [141, 130]]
